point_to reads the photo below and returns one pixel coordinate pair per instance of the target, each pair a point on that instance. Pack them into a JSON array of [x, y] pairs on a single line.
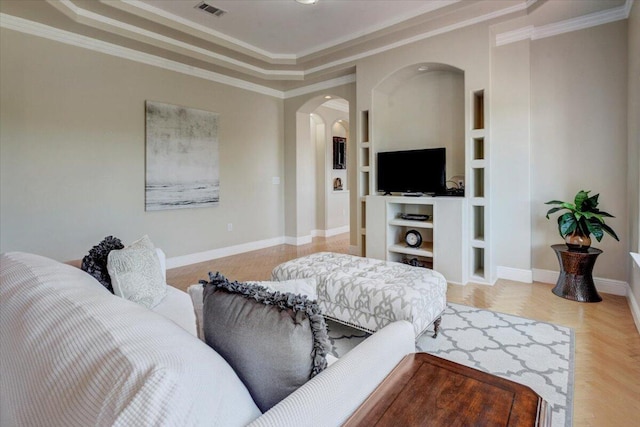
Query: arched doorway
[[322, 207]]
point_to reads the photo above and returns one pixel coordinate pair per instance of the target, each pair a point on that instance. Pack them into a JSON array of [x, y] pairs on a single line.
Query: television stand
[[442, 233]]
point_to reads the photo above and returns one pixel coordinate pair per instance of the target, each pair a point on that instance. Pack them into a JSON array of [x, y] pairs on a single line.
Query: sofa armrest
[[331, 397], [163, 262]]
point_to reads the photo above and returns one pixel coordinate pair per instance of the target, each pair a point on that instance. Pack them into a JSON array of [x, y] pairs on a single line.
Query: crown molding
[[136, 4], [86, 17], [532, 32], [327, 84], [524, 33], [96, 20], [429, 7], [67, 37], [55, 34], [73, 39], [337, 105], [423, 36]]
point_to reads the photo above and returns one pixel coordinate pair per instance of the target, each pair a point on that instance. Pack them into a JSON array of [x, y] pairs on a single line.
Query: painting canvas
[[183, 169]]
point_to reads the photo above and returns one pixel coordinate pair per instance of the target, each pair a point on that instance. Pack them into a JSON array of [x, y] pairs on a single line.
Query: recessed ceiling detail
[[252, 42]]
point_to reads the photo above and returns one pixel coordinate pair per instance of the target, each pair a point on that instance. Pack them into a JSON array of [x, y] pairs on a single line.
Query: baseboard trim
[[635, 309], [515, 274], [330, 232], [606, 286], [195, 258], [298, 241]]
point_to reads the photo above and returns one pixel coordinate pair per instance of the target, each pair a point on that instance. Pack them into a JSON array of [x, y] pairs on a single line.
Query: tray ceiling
[[279, 44]]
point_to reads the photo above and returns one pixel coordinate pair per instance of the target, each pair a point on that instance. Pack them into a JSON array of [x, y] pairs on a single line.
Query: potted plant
[[583, 219]]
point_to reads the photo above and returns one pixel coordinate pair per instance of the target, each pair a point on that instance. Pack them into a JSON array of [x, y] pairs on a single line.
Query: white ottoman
[[368, 293]]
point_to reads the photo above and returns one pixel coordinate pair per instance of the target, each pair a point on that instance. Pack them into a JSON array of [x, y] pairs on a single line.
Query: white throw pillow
[[136, 273]]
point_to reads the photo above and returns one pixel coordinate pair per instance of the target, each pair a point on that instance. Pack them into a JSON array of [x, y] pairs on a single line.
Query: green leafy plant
[[583, 217]]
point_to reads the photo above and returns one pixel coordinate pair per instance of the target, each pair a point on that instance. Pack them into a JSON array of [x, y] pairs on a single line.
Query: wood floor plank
[[607, 363]]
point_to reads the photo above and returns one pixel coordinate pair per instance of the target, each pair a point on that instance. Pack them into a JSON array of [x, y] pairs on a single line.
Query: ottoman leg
[[436, 326]]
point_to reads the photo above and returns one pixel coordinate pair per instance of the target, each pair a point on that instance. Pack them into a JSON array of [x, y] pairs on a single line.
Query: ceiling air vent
[[210, 9]]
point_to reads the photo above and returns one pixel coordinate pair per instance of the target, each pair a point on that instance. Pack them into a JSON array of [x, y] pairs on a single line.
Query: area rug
[[537, 354]]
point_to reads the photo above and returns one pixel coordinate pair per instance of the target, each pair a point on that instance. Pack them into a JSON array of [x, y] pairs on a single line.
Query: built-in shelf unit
[[442, 233], [477, 186], [456, 241], [364, 178]]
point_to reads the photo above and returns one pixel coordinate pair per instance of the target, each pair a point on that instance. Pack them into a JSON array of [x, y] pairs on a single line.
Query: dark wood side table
[[425, 390], [576, 281]]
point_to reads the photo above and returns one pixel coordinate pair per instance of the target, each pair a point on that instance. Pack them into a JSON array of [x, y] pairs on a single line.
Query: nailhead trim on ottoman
[[369, 293]]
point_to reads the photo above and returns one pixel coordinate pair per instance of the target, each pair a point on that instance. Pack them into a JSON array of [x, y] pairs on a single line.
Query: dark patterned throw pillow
[[274, 341], [96, 262]]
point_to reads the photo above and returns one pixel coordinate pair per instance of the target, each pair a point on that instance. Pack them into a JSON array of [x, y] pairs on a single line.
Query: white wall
[[579, 136], [425, 111], [319, 172], [72, 153], [633, 159], [509, 153]]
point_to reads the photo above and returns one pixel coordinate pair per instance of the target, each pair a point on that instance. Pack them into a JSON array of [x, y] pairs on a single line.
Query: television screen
[[412, 171]]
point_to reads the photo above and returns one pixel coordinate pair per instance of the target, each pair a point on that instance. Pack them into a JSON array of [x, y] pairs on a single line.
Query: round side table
[[576, 280]]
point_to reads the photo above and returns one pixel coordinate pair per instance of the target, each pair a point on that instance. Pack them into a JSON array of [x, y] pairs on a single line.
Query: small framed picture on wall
[[339, 152]]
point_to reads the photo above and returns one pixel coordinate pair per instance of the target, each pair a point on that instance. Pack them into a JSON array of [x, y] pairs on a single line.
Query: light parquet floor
[[607, 362]]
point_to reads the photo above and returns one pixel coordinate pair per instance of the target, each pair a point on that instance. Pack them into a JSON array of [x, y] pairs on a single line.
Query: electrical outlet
[[275, 180], [230, 227]]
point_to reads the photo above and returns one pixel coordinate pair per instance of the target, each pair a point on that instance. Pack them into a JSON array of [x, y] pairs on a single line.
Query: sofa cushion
[[136, 273], [274, 341], [74, 354], [95, 263]]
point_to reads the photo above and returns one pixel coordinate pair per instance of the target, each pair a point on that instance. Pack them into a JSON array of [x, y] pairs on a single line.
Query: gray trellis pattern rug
[[537, 354]]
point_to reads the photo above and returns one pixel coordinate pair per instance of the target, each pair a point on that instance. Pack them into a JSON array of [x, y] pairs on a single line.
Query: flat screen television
[[412, 171]]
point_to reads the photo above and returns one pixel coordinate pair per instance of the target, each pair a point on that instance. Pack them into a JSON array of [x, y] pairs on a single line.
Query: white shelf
[[478, 276], [365, 144], [408, 223], [478, 163], [477, 243], [364, 169], [425, 250]]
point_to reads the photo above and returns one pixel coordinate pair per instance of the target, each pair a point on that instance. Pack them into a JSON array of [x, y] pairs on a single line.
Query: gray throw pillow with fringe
[[274, 341]]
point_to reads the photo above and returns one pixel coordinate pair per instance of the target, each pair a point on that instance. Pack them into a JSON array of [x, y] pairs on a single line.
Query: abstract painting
[[183, 169]]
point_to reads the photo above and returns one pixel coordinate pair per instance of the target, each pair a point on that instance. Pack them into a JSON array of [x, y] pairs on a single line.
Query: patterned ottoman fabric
[[369, 293]]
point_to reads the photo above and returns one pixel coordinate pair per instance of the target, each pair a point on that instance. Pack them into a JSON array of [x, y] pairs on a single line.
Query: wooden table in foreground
[[425, 390]]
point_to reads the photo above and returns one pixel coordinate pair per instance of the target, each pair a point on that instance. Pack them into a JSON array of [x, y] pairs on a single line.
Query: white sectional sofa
[[73, 354]]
